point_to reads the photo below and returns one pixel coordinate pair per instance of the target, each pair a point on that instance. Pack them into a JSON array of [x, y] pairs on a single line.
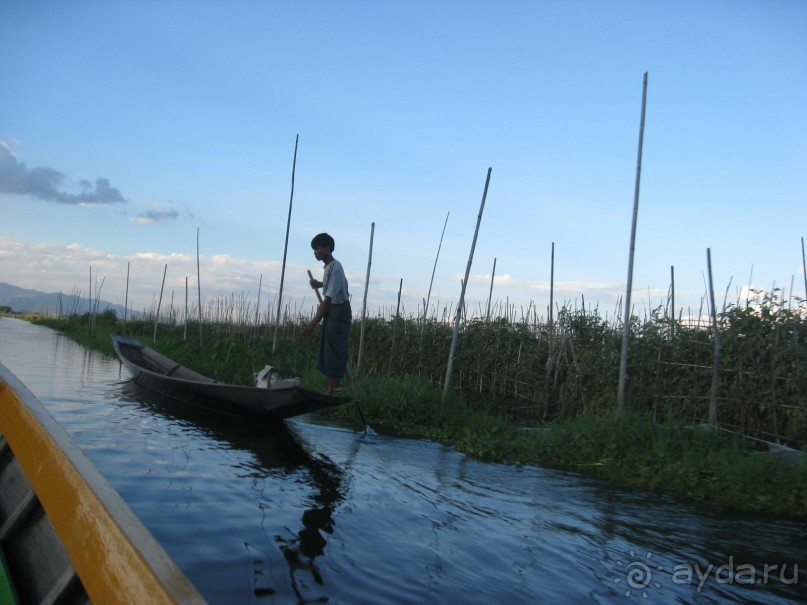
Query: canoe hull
[[163, 376]]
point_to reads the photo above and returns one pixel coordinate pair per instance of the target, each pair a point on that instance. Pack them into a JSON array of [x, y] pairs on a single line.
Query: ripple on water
[[320, 512]]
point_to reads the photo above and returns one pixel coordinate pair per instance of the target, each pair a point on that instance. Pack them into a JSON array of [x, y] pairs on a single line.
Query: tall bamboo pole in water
[[461, 303], [364, 303], [285, 247], [623, 365]]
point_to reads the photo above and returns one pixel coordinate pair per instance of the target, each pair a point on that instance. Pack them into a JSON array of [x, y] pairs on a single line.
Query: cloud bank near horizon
[[50, 267]]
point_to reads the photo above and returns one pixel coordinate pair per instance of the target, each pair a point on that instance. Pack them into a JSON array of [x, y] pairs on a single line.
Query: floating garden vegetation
[[531, 392]]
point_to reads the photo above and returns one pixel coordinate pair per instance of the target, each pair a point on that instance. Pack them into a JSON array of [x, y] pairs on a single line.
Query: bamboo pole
[[395, 322], [490, 294], [364, 303], [434, 269], [159, 302], [126, 299], [623, 364], [716, 337], [96, 303], [790, 292], [551, 287], [461, 303], [550, 357], [285, 247], [804, 268], [672, 300], [748, 290], [258, 303], [199, 285], [185, 330]]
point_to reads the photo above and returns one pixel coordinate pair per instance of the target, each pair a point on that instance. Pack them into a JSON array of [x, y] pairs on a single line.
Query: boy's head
[[323, 240]]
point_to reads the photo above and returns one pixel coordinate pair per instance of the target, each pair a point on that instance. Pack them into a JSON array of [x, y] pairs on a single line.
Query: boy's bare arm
[[322, 311]]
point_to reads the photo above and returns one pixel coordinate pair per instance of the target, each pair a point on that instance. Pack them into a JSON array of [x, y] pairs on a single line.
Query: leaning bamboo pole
[[461, 303], [285, 247], [159, 302], [804, 268], [364, 303], [434, 269], [395, 322], [623, 364], [490, 294]]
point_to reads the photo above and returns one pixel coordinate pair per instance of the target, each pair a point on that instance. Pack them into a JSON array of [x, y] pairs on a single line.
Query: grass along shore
[[645, 449]]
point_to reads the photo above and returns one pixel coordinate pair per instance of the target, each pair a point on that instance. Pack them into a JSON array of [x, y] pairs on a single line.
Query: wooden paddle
[[347, 370]]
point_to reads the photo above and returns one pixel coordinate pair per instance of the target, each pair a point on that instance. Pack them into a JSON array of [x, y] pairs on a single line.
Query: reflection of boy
[[334, 310]]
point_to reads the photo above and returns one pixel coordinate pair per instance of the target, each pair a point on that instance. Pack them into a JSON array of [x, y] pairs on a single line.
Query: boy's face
[[321, 252]]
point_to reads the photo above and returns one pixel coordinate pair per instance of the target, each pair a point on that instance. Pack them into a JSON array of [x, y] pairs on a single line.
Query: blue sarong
[[332, 355]]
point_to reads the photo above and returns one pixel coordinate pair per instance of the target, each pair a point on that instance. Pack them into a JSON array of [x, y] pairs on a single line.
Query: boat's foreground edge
[[115, 556]]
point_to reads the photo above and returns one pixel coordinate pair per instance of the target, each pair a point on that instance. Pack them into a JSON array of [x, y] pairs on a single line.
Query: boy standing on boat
[[334, 309]]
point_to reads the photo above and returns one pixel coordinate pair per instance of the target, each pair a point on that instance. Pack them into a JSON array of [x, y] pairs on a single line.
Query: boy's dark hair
[[324, 240]]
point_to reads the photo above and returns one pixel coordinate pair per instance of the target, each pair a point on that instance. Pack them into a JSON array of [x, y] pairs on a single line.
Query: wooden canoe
[[66, 536], [161, 375]]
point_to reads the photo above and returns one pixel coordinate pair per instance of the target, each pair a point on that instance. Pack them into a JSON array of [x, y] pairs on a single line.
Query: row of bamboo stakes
[[461, 304]]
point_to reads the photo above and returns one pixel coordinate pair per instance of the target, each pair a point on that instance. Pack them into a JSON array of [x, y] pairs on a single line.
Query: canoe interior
[[39, 567], [153, 361], [66, 535]]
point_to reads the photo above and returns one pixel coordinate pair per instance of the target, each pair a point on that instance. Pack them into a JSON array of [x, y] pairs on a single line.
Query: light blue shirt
[[334, 283]]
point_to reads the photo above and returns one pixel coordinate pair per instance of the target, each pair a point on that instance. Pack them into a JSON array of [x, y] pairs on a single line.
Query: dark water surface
[[323, 514]]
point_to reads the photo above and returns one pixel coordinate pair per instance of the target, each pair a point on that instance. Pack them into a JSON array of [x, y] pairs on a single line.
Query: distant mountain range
[[22, 299]]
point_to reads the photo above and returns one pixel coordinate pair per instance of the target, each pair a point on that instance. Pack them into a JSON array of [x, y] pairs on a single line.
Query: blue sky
[[127, 126]]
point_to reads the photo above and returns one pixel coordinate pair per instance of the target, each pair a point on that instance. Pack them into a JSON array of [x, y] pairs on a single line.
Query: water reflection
[[315, 512], [277, 451]]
